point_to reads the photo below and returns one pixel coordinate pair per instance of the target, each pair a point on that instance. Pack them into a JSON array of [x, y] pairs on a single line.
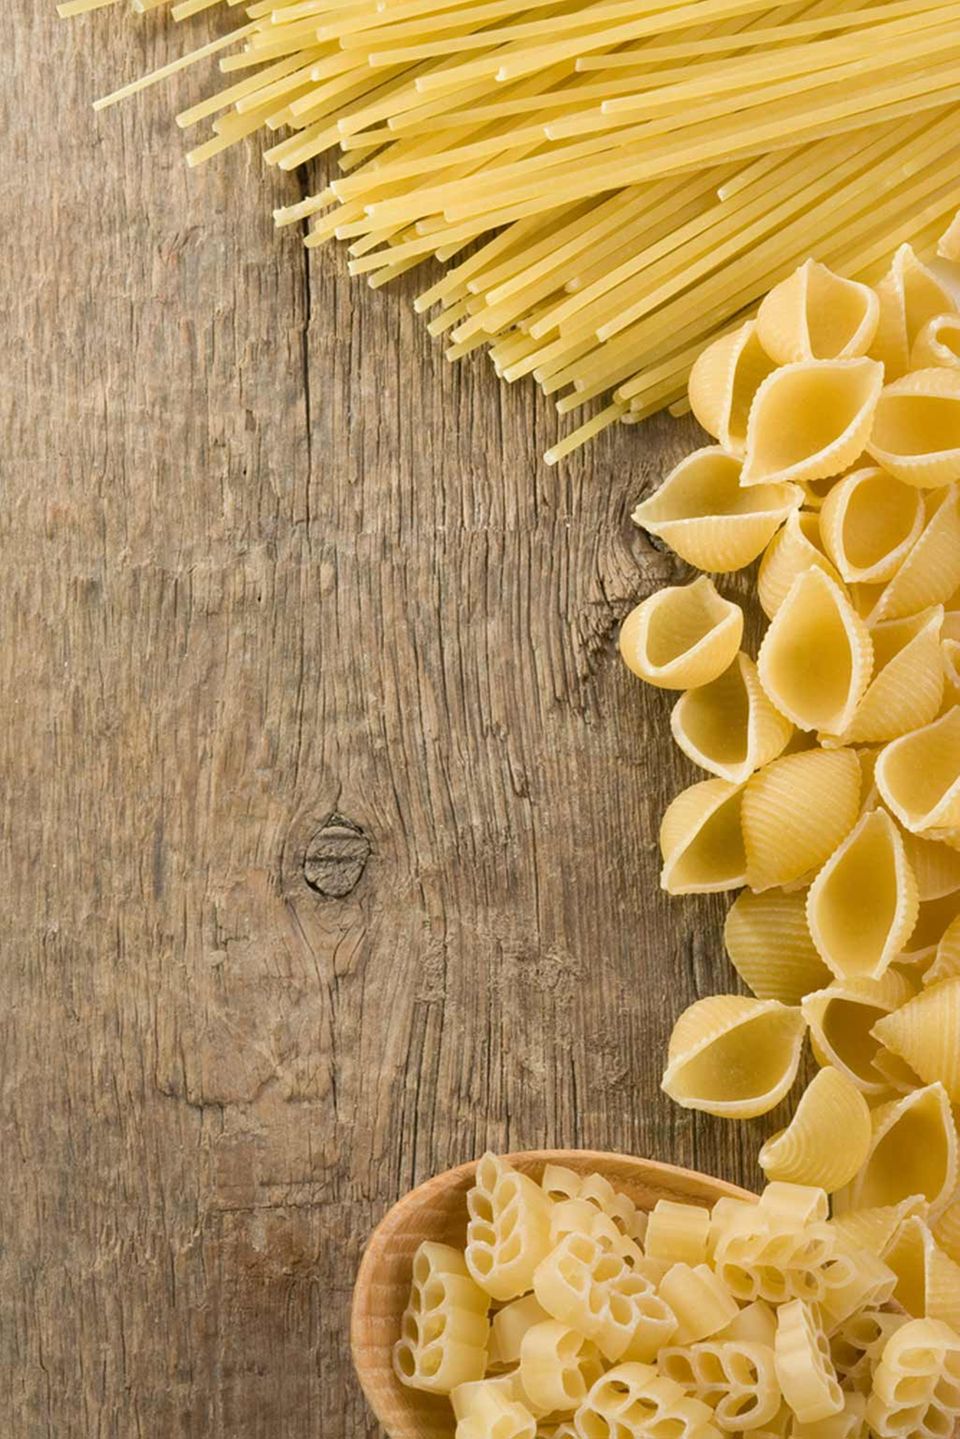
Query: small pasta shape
[[706, 517], [817, 315], [948, 246], [910, 295], [755, 1323], [701, 840], [588, 1289], [828, 1138], [841, 1018], [857, 1280], [810, 420], [931, 571], [918, 775], [508, 1232], [557, 1367], [777, 1267], [862, 1337], [816, 658], [682, 636], [729, 726], [928, 1280], [723, 382], [913, 1151], [699, 1300], [938, 343], [907, 688], [869, 523], [789, 1207], [795, 812], [794, 548], [738, 1379], [925, 1032], [945, 1229], [632, 1401], [803, 1364], [735, 1056], [508, 1327], [487, 1410], [916, 1386], [936, 866], [849, 1423], [558, 1182], [863, 905], [679, 1233], [933, 921], [444, 1330], [769, 945], [874, 1229], [898, 1074], [916, 428]]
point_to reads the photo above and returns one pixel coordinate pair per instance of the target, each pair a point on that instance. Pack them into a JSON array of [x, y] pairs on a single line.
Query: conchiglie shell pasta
[[896, 1071], [907, 688], [827, 1139], [794, 549], [913, 1150], [948, 246], [868, 524], [723, 382], [701, 840], [817, 656], [875, 1228], [705, 516], [936, 866], [817, 315], [811, 420], [769, 945], [909, 295], [841, 1019], [863, 904], [928, 1280], [938, 343], [729, 726], [946, 1230], [682, 636], [734, 1059], [946, 963], [933, 922], [795, 812], [926, 1033], [931, 571], [916, 428], [918, 775]]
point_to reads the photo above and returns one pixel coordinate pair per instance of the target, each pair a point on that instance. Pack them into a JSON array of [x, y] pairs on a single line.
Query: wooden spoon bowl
[[437, 1210]]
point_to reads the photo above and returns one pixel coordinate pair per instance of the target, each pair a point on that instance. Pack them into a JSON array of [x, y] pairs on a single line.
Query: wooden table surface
[[270, 565]]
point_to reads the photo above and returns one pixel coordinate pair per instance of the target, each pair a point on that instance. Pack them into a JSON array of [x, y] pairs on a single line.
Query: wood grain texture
[[267, 558]]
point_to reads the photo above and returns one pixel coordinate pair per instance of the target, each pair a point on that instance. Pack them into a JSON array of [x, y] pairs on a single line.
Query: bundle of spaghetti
[[637, 173]]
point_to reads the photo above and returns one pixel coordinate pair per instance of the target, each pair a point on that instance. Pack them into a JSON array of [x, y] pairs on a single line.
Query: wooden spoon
[[437, 1210]]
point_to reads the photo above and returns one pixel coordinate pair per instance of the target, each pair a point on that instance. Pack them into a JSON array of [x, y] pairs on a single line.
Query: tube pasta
[[817, 315], [734, 1056], [841, 1018], [869, 522], [791, 552], [916, 428], [926, 1033], [909, 295], [828, 1138], [918, 775], [729, 726], [678, 1233], [769, 944], [913, 1150], [723, 383], [701, 840], [795, 812], [682, 637], [811, 420]]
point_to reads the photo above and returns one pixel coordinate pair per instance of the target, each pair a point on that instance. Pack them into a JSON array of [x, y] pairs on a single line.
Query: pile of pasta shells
[[834, 755], [571, 1314]]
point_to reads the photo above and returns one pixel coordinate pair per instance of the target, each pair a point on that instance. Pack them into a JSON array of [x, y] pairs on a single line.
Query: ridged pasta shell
[[817, 656], [938, 343], [928, 1280], [827, 1139], [936, 866], [795, 812], [876, 1228], [862, 906], [868, 524], [723, 382], [946, 964], [794, 549], [934, 919], [913, 1150], [918, 775], [734, 1059], [907, 687], [841, 1019], [931, 571], [816, 491], [916, 428], [769, 945], [950, 665], [909, 296], [926, 1033], [701, 840], [811, 420], [682, 636], [896, 1071], [705, 516], [946, 1230], [948, 246], [729, 726], [817, 315]]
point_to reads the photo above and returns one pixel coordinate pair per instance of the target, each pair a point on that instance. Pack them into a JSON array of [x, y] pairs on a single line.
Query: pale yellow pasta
[[849, 1423], [795, 812], [841, 1019], [949, 244], [699, 1300], [633, 1401], [925, 1032], [730, 727], [444, 1330], [931, 571], [597, 1190], [508, 1327], [946, 963], [858, 1342], [946, 1229], [896, 1071], [810, 420], [486, 1410], [936, 866], [913, 1150], [817, 315], [678, 1233], [856, 1280], [705, 516], [701, 839], [817, 656], [916, 1385], [804, 1367], [938, 343], [791, 1206], [907, 688], [794, 548], [557, 1367], [918, 775], [863, 905], [508, 1232], [588, 1289], [737, 1378], [682, 636], [777, 1267], [827, 1139], [875, 1229], [910, 295], [581, 1216], [928, 1280], [723, 383], [868, 524], [933, 921], [916, 428], [737, 1056], [769, 945], [558, 1182], [755, 1323]]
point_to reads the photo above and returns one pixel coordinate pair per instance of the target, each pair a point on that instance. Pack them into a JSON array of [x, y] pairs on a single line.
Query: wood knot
[[336, 857]]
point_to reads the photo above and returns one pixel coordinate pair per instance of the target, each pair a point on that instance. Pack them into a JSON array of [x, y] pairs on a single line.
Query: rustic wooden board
[[267, 558]]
